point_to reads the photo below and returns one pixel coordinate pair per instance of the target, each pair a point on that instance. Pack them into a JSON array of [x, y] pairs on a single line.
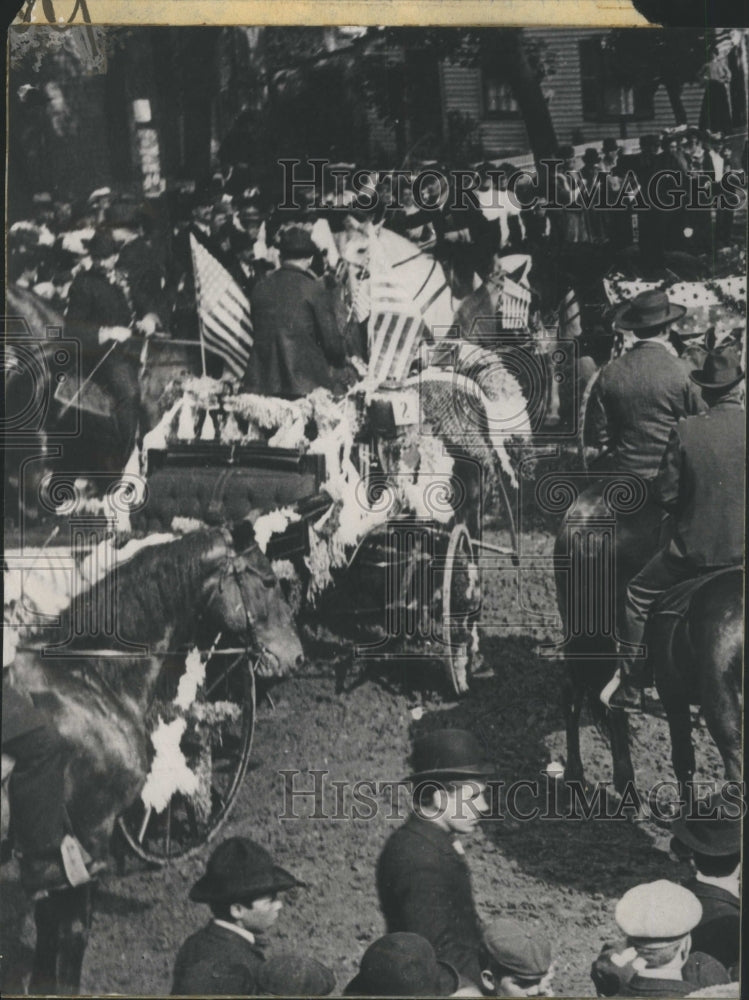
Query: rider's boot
[[624, 690]]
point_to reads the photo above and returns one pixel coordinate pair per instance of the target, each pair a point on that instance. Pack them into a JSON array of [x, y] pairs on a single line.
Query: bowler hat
[[102, 244], [610, 144], [296, 243], [717, 832], [402, 964], [240, 869], [591, 155], [526, 954], [566, 152], [720, 370], [448, 753], [658, 911], [648, 311]]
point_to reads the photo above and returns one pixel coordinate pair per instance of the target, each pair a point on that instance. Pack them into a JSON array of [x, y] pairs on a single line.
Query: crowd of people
[[674, 940], [117, 267]]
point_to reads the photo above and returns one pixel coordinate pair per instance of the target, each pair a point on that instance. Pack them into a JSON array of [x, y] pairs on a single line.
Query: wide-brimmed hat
[[448, 754], [648, 311], [240, 869], [610, 144], [591, 155], [102, 244], [525, 952], [720, 370], [400, 965], [715, 831], [296, 243]]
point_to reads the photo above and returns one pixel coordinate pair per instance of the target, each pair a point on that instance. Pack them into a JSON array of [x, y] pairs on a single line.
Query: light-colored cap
[[658, 911]]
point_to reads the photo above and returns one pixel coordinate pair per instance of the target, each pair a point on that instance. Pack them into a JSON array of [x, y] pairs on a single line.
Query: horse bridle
[[236, 565]]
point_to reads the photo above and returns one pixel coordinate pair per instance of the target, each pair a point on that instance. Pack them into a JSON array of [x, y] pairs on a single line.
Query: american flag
[[396, 324], [223, 310]]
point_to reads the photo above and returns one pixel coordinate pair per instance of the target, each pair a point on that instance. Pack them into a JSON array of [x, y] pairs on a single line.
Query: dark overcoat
[[424, 887], [216, 960], [297, 341], [719, 931], [636, 403], [701, 483]]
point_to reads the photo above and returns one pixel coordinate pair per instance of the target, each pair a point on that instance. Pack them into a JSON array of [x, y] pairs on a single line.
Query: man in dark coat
[[241, 885], [297, 342], [423, 881], [657, 958], [713, 835], [698, 477], [638, 398]]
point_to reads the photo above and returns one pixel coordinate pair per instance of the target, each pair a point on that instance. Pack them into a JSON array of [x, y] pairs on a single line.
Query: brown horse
[[166, 598], [609, 532], [696, 656]]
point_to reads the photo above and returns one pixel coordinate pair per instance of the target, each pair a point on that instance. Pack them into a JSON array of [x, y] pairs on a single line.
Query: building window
[[604, 97], [499, 101]]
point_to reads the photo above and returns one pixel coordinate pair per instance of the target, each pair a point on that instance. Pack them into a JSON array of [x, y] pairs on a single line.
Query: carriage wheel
[[217, 747], [461, 599]]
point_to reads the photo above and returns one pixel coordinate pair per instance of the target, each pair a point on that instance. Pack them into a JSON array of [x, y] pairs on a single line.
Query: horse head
[[243, 598]]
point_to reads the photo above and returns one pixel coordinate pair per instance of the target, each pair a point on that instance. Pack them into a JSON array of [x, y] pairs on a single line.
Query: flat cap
[[525, 952], [658, 911]]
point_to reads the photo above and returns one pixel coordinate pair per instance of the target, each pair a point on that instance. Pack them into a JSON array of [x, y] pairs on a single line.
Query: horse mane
[[159, 585]]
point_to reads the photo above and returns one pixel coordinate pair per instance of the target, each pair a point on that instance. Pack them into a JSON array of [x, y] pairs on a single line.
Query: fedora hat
[[720, 370], [717, 835], [610, 144], [648, 311], [240, 869], [591, 155], [400, 965], [446, 754], [295, 243]]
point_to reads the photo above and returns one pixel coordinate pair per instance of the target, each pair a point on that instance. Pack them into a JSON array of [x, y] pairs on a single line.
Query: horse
[[83, 430], [167, 598], [607, 535], [695, 653]]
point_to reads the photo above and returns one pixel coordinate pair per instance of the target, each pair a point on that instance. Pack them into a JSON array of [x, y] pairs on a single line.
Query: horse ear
[[243, 535]]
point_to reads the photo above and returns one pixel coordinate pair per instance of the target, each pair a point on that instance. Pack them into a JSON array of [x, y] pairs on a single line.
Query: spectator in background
[[592, 181], [654, 961], [569, 218], [714, 838], [139, 266], [402, 965], [515, 961], [611, 153], [423, 881], [241, 885]]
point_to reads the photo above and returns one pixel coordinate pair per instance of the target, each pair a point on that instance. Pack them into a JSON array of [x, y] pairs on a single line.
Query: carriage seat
[[676, 600]]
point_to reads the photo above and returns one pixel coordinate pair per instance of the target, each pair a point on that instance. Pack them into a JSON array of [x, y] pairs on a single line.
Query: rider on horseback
[[701, 484]]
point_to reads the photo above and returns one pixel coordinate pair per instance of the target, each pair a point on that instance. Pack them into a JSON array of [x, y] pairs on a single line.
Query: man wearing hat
[[713, 835], [423, 881], [657, 919], [297, 339], [402, 965], [515, 961], [648, 218], [241, 885], [138, 265], [698, 475], [638, 398]]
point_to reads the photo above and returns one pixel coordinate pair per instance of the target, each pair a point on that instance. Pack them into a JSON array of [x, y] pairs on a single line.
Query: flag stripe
[[223, 310]]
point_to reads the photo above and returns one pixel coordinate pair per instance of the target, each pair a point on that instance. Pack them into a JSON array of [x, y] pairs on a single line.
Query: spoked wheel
[[461, 603], [216, 745]]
